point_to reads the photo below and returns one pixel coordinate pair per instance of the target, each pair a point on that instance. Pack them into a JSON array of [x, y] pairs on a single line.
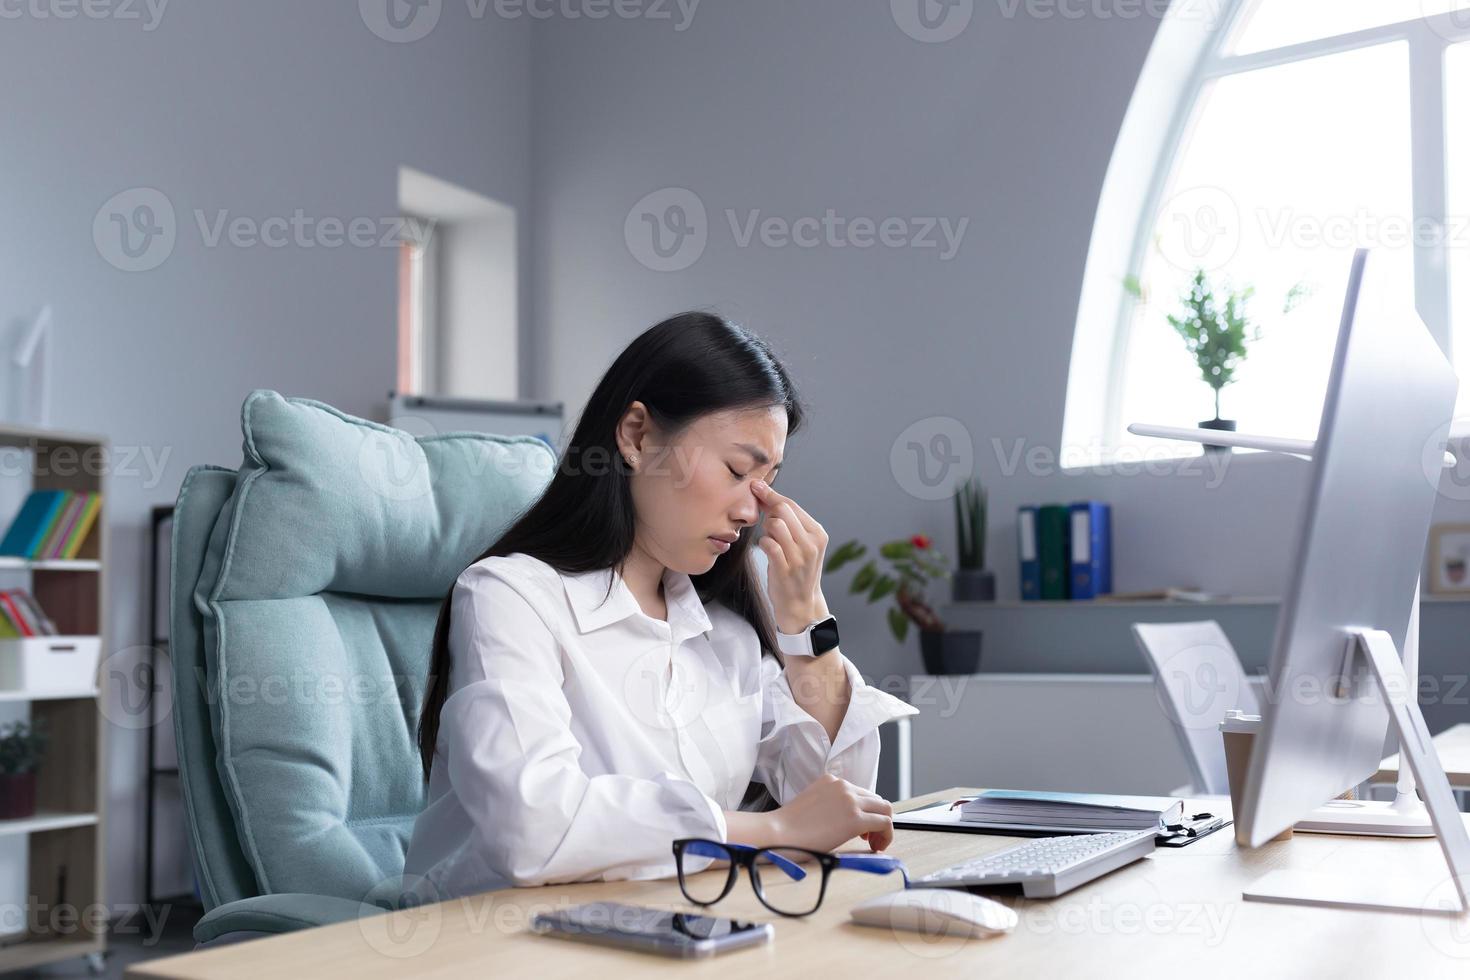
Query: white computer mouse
[[937, 912]]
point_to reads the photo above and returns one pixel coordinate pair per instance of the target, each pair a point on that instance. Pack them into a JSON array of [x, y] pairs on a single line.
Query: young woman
[[608, 675]]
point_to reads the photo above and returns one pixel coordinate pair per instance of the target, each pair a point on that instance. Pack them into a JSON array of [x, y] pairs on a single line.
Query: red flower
[[921, 541]]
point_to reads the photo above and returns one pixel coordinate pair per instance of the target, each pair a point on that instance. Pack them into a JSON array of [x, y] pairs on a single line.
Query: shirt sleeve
[[505, 734], [794, 747]]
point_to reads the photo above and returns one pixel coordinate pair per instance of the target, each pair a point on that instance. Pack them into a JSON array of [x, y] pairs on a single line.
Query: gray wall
[[260, 108], [794, 109], [797, 108]]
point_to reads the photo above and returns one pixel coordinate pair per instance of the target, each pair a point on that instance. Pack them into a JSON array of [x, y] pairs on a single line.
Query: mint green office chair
[[305, 587]]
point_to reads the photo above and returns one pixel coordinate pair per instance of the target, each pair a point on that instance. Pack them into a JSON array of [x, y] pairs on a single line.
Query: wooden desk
[[1176, 914], [1453, 746]]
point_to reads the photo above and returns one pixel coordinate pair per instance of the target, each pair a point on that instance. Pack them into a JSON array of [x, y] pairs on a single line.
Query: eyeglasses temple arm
[[878, 864]]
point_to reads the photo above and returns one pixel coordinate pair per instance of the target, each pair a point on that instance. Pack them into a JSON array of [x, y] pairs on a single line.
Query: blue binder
[[31, 523], [1092, 549], [1030, 554]]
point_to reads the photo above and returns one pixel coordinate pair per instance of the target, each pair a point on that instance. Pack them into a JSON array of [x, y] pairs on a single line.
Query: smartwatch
[[815, 640]]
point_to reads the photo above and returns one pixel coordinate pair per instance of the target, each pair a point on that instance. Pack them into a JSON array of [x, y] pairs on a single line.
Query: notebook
[[1078, 813]]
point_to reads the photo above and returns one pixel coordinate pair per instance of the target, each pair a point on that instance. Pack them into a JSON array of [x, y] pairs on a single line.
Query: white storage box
[[49, 663]]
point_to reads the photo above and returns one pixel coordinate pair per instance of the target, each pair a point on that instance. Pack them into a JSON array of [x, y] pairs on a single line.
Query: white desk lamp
[[30, 374], [1406, 816]]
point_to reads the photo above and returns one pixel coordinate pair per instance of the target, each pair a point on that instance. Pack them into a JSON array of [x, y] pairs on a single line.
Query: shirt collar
[[586, 592]]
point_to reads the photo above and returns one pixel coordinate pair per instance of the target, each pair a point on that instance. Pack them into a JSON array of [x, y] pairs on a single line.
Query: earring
[[632, 460]]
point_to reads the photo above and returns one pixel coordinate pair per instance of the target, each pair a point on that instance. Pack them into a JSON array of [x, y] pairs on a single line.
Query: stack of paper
[[1083, 811]]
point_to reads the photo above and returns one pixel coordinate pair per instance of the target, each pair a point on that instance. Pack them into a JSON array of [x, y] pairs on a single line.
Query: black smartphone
[[678, 934]]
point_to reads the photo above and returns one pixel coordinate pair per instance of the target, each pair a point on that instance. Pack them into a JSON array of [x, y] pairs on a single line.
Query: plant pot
[[974, 585], [17, 795], [1219, 425], [950, 652]]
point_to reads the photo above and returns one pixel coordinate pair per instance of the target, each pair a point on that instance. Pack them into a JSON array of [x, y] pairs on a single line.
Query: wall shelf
[[51, 564], [41, 821], [1109, 604], [89, 693], [1093, 638], [1426, 597]]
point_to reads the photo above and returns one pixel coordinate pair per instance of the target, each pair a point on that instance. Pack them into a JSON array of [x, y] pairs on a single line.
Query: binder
[[36, 515], [1092, 549], [1030, 554], [48, 528], [1052, 531]]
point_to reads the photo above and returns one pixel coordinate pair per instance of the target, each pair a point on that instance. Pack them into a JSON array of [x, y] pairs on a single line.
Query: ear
[[633, 428]]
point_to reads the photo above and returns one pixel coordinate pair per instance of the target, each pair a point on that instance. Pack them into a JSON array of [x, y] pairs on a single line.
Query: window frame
[[1128, 210]]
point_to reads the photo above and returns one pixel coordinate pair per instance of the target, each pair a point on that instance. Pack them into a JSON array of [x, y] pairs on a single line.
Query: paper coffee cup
[[1239, 731]]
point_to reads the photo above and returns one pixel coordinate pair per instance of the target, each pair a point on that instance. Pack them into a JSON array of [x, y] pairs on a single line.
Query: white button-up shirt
[[582, 736]]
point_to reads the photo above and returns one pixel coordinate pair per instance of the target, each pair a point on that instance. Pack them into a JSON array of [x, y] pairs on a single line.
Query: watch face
[[824, 635]]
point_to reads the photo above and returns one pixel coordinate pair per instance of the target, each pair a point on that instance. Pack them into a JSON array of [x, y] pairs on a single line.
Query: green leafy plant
[[912, 563], [1215, 332], [1215, 326], [970, 506], [21, 747]]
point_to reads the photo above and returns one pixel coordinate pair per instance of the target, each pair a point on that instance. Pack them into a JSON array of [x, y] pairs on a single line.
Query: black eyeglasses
[[777, 874]]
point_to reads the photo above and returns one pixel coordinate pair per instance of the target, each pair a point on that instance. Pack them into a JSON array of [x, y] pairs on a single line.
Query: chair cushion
[[318, 597], [224, 874]]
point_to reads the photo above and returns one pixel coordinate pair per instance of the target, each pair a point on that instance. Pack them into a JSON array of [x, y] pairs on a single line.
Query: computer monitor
[[1359, 549]]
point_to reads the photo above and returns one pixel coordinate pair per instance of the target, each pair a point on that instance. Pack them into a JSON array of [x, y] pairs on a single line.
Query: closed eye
[[738, 476]]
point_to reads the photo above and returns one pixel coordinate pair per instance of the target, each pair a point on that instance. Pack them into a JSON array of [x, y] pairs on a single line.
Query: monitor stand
[[1417, 751], [1405, 815]]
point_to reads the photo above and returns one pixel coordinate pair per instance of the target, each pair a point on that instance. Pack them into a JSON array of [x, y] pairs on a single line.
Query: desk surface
[[1453, 746], [1176, 913]]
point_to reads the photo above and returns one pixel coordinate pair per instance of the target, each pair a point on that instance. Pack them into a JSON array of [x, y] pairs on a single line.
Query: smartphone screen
[[652, 930]]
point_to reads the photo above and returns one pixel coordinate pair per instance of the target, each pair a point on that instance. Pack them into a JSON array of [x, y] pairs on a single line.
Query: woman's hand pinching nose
[[796, 546]]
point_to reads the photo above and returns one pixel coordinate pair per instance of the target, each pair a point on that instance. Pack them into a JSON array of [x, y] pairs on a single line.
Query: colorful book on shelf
[[30, 525], [50, 529], [85, 523], [51, 545], [69, 544], [33, 612], [27, 611], [12, 612]]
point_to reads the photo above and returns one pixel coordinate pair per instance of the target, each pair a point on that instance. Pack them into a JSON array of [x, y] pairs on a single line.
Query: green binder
[[1053, 526]]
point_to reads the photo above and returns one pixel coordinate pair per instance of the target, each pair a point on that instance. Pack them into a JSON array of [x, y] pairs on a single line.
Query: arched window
[[1265, 141]]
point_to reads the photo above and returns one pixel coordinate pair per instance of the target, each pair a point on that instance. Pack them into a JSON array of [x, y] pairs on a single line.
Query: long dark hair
[[684, 368]]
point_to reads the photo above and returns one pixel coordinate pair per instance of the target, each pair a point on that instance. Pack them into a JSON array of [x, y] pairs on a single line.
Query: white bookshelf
[[63, 840], [52, 564]]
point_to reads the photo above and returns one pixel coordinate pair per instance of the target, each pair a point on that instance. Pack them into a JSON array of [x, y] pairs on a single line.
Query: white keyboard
[[1047, 866]]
